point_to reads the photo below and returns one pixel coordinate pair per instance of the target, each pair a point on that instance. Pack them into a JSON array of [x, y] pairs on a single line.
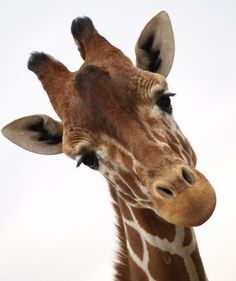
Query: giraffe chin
[[190, 208]]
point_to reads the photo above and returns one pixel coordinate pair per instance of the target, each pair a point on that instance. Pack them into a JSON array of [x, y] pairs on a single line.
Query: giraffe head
[[117, 118]]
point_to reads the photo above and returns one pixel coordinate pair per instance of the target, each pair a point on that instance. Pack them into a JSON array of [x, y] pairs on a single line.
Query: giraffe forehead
[[98, 109], [105, 98], [111, 93], [103, 101]]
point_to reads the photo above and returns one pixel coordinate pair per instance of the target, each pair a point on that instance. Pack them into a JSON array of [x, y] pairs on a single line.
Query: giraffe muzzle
[[169, 191], [186, 199]]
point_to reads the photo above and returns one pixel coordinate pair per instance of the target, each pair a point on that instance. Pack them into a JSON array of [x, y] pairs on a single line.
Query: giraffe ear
[[155, 47], [37, 133]]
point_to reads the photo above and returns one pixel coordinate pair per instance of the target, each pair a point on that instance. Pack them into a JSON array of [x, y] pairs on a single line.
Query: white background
[[56, 222]]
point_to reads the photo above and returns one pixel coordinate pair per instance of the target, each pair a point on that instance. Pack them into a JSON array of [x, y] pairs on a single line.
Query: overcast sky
[[56, 222]]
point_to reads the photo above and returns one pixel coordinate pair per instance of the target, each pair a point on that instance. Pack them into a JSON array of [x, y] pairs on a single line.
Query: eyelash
[[89, 159], [164, 102]]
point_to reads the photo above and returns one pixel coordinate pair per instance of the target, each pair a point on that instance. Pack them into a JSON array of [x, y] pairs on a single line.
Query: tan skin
[[117, 119]]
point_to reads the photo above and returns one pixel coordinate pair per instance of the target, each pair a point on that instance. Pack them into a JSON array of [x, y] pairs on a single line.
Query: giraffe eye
[[89, 159], [165, 103]]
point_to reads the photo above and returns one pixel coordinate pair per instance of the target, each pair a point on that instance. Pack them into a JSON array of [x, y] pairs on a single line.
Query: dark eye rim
[[89, 159], [164, 102]]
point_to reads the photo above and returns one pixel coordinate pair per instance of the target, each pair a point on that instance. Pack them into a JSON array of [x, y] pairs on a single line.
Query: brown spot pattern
[[127, 161], [125, 210], [130, 181], [198, 264], [166, 267], [123, 186], [135, 241], [153, 224], [187, 236], [122, 270], [136, 271]]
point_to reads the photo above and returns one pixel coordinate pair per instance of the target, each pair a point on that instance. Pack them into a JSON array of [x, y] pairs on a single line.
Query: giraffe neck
[[152, 249]]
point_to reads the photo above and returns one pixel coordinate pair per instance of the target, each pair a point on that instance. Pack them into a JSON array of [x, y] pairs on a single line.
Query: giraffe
[[117, 118]]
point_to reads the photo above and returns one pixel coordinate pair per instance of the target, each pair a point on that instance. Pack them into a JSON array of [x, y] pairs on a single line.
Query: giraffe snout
[[186, 175], [185, 197], [174, 183]]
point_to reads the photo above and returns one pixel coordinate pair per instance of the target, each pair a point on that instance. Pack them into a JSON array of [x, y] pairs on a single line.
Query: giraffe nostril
[[167, 192], [187, 176]]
